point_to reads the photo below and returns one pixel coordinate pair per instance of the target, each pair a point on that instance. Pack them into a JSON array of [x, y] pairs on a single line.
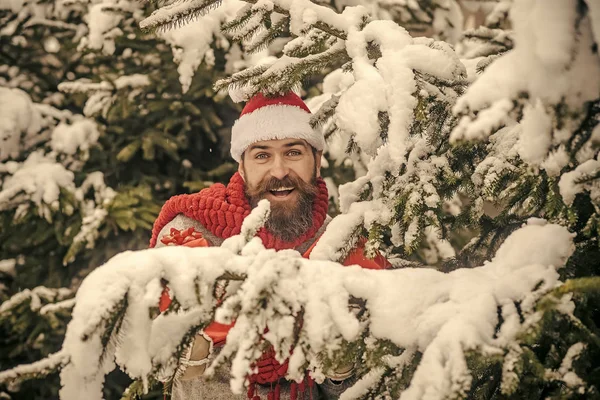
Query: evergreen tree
[[511, 160], [100, 124]]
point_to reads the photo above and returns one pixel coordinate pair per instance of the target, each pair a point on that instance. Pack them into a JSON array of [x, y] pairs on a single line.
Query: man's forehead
[[278, 143]]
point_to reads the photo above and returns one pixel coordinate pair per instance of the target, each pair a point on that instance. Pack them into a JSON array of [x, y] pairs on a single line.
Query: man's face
[[283, 172]]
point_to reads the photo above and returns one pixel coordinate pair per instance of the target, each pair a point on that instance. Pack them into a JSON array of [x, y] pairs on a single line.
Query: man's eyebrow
[[266, 147], [296, 143], [259, 146]]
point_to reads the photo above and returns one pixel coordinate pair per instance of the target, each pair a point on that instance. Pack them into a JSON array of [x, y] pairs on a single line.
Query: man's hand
[[200, 353]]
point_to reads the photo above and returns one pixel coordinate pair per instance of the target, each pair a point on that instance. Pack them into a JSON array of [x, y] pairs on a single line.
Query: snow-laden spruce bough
[[440, 316]]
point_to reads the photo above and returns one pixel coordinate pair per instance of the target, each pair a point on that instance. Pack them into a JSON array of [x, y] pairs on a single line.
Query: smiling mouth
[[281, 192]]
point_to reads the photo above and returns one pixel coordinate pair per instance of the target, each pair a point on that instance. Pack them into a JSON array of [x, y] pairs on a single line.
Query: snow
[[545, 51], [510, 377], [502, 151], [332, 189], [54, 307], [96, 298], [440, 315], [302, 15], [84, 86], [8, 266], [71, 138], [556, 161], [170, 13], [565, 372], [102, 193], [361, 388], [252, 223], [49, 363], [570, 186], [93, 212], [554, 30], [488, 121], [39, 178], [52, 45], [370, 96], [594, 10], [191, 43], [35, 295], [18, 117], [98, 103], [471, 66], [449, 20], [438, 248], [131, 81], [101, 95], [553, 43], [13, 5], [103, 26], [498, 12], [358, 112], [526, 238], [573, 353], [536, 134]]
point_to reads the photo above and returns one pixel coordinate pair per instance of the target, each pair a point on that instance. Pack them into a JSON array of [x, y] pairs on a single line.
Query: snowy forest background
[[460, 131]]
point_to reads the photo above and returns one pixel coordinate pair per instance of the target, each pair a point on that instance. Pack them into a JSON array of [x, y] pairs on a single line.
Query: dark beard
[[287, 221]]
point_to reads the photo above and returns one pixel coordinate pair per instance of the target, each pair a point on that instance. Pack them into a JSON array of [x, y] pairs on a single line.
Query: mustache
[[273, 183]]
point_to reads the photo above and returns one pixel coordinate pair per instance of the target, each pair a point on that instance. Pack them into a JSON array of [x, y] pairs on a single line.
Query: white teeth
[[282, 189]]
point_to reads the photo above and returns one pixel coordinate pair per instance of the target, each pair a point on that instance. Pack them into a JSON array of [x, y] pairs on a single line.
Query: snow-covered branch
[[392, 105], [37, 370], [36, 297], [537, 107], [439, 315]]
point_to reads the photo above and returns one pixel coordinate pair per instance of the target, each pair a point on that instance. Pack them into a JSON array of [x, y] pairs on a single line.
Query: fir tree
[[100, 124], [511, 161]]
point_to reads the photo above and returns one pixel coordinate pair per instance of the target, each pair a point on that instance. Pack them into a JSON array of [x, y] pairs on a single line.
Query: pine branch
[[288, 72], [284, 75], [330, 129], [483, 64], [84, 86], [36, 370], [240, 78], [277, 7], [315, 41], [283, 7], [246, 26], [580, 286], [331, 30], [136, 390], [264, 39], [584, 132], [178, 13], [325, 112], [242, 17], [498, 37]]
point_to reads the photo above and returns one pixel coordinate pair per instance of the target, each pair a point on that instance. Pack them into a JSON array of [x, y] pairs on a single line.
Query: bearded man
[[279, 156]]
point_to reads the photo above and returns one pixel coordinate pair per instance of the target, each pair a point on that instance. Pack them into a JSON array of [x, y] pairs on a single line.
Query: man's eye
[[294, 153], [261, 156]]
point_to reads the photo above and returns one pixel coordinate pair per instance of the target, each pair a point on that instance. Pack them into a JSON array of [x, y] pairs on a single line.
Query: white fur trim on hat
[[273, 122]]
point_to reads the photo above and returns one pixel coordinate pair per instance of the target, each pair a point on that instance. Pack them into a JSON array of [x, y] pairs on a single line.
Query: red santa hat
[[273, 118]]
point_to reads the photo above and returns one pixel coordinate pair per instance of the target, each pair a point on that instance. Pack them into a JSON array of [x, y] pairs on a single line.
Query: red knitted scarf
[[222, 210]]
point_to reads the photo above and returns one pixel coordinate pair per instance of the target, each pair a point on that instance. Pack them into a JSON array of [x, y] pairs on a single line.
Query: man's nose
[[279, 169]]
